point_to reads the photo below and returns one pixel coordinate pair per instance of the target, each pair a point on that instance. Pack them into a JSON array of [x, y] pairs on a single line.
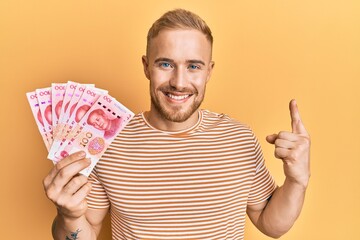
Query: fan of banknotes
[[72, 117]]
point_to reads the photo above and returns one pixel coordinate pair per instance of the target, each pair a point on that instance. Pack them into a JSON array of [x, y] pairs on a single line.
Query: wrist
[[301, 184], [67, 219]]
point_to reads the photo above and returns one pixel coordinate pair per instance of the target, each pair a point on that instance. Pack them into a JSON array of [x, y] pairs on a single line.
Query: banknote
[[57, 97], [97, 129], [68, 95], [87, 101], [89, 96], [69, 91], [44, 100], [87, 118], [35, 108], [79, 90]]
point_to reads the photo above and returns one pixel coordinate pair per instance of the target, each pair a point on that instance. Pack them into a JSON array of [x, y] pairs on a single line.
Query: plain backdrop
[[265, 53]]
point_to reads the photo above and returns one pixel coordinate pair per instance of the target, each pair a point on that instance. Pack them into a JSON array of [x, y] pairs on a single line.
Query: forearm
[[283, 209], [70, 229]]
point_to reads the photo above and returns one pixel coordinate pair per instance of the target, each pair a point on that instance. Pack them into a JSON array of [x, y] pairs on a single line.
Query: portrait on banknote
[[48, 114], [81, 112], [58, 109], [101, 121]]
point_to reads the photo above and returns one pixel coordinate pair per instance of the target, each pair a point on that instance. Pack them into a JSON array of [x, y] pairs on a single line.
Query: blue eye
[[193, 67], [166, 65]]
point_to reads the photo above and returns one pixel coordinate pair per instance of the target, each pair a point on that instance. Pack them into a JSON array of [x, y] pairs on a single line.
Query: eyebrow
[[163, 60], [172, 61], [195, 61]]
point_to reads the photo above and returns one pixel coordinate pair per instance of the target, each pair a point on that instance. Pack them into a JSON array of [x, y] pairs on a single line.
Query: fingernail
[[82, 154], [88, 160]]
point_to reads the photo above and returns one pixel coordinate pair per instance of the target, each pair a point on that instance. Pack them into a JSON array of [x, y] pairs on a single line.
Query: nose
[[178, 79]]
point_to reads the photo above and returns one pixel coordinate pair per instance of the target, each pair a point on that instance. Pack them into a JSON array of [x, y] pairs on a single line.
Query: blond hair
[[178, 19]]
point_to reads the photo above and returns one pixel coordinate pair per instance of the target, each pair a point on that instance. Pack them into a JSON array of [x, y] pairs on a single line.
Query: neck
[[159, 122]]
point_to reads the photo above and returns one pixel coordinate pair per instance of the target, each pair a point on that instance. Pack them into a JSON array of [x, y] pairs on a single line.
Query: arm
[[87, 226], [277, 215], [67, 190]]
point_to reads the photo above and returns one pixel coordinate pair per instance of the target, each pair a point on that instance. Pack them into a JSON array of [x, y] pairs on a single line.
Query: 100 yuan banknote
[[35, 108], [76, 95], [57, 97], [87, 99], [71, 89], [98, 128], [90, 95], [44, 99]]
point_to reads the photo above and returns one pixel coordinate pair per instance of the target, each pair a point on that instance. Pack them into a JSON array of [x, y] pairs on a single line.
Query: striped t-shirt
[[192, 184]]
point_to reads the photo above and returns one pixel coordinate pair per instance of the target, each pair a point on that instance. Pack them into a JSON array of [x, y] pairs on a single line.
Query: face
[[58, 109], [40, 117], [48, 114], [81, 112], [99, 121], [72, 108], [178, 66]]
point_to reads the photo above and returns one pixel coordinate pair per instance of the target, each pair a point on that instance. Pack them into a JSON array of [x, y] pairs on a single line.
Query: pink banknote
[[73, 117], [97, 129], [44, 99], [57, 97], [89, 96], [69, 91], [79, 90], [35, 108], [68, 95]]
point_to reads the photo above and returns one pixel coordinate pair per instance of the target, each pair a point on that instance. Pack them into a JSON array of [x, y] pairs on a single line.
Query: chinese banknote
[[72, 117]]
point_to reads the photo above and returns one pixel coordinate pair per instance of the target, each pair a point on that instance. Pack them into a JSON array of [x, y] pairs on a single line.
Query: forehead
[[180, 44], [94, 114]]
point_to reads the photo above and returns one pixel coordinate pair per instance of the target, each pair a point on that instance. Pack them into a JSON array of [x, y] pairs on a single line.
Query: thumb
[[271, 138]]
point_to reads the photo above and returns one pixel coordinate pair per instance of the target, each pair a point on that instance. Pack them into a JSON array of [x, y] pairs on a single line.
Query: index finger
[[63, 163], [296, 123]]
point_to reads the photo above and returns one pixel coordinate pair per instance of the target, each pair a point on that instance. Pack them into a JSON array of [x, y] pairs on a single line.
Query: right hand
[[66, 188]]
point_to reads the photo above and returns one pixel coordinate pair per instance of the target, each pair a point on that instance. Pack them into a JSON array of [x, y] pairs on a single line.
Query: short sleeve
[[263, 184], [97, 198]]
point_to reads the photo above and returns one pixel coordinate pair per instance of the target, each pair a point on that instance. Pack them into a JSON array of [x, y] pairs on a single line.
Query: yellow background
[[266, 53]]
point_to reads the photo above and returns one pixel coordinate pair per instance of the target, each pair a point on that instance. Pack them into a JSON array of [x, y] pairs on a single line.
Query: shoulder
[[135, 127], [221, 121], [135, 122]]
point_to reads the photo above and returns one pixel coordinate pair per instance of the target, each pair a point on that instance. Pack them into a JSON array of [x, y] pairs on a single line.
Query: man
[[99, 120], [178, 172], [58, 108], [80, 112]]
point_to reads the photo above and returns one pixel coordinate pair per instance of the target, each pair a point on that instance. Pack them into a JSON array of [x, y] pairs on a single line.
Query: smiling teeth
[[178, 97]]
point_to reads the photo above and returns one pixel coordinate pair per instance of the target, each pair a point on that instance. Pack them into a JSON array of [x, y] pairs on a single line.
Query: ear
[[145, 63], [211, 67]]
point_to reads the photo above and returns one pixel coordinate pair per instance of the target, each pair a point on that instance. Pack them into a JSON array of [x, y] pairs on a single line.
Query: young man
[[178, 172]]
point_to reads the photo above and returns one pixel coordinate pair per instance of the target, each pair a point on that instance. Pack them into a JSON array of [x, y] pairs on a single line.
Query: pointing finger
[[296, 123]]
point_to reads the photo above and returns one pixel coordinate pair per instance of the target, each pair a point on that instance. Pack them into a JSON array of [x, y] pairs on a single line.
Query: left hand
[[293, 148]]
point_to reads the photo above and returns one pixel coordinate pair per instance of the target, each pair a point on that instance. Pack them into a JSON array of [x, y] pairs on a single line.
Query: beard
[[175, 113]]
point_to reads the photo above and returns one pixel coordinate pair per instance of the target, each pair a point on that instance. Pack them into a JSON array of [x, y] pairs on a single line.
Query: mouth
[[177, 97]]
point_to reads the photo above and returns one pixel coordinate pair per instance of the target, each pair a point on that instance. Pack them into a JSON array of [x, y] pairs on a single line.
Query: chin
[[179, 113], [178, 116]]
